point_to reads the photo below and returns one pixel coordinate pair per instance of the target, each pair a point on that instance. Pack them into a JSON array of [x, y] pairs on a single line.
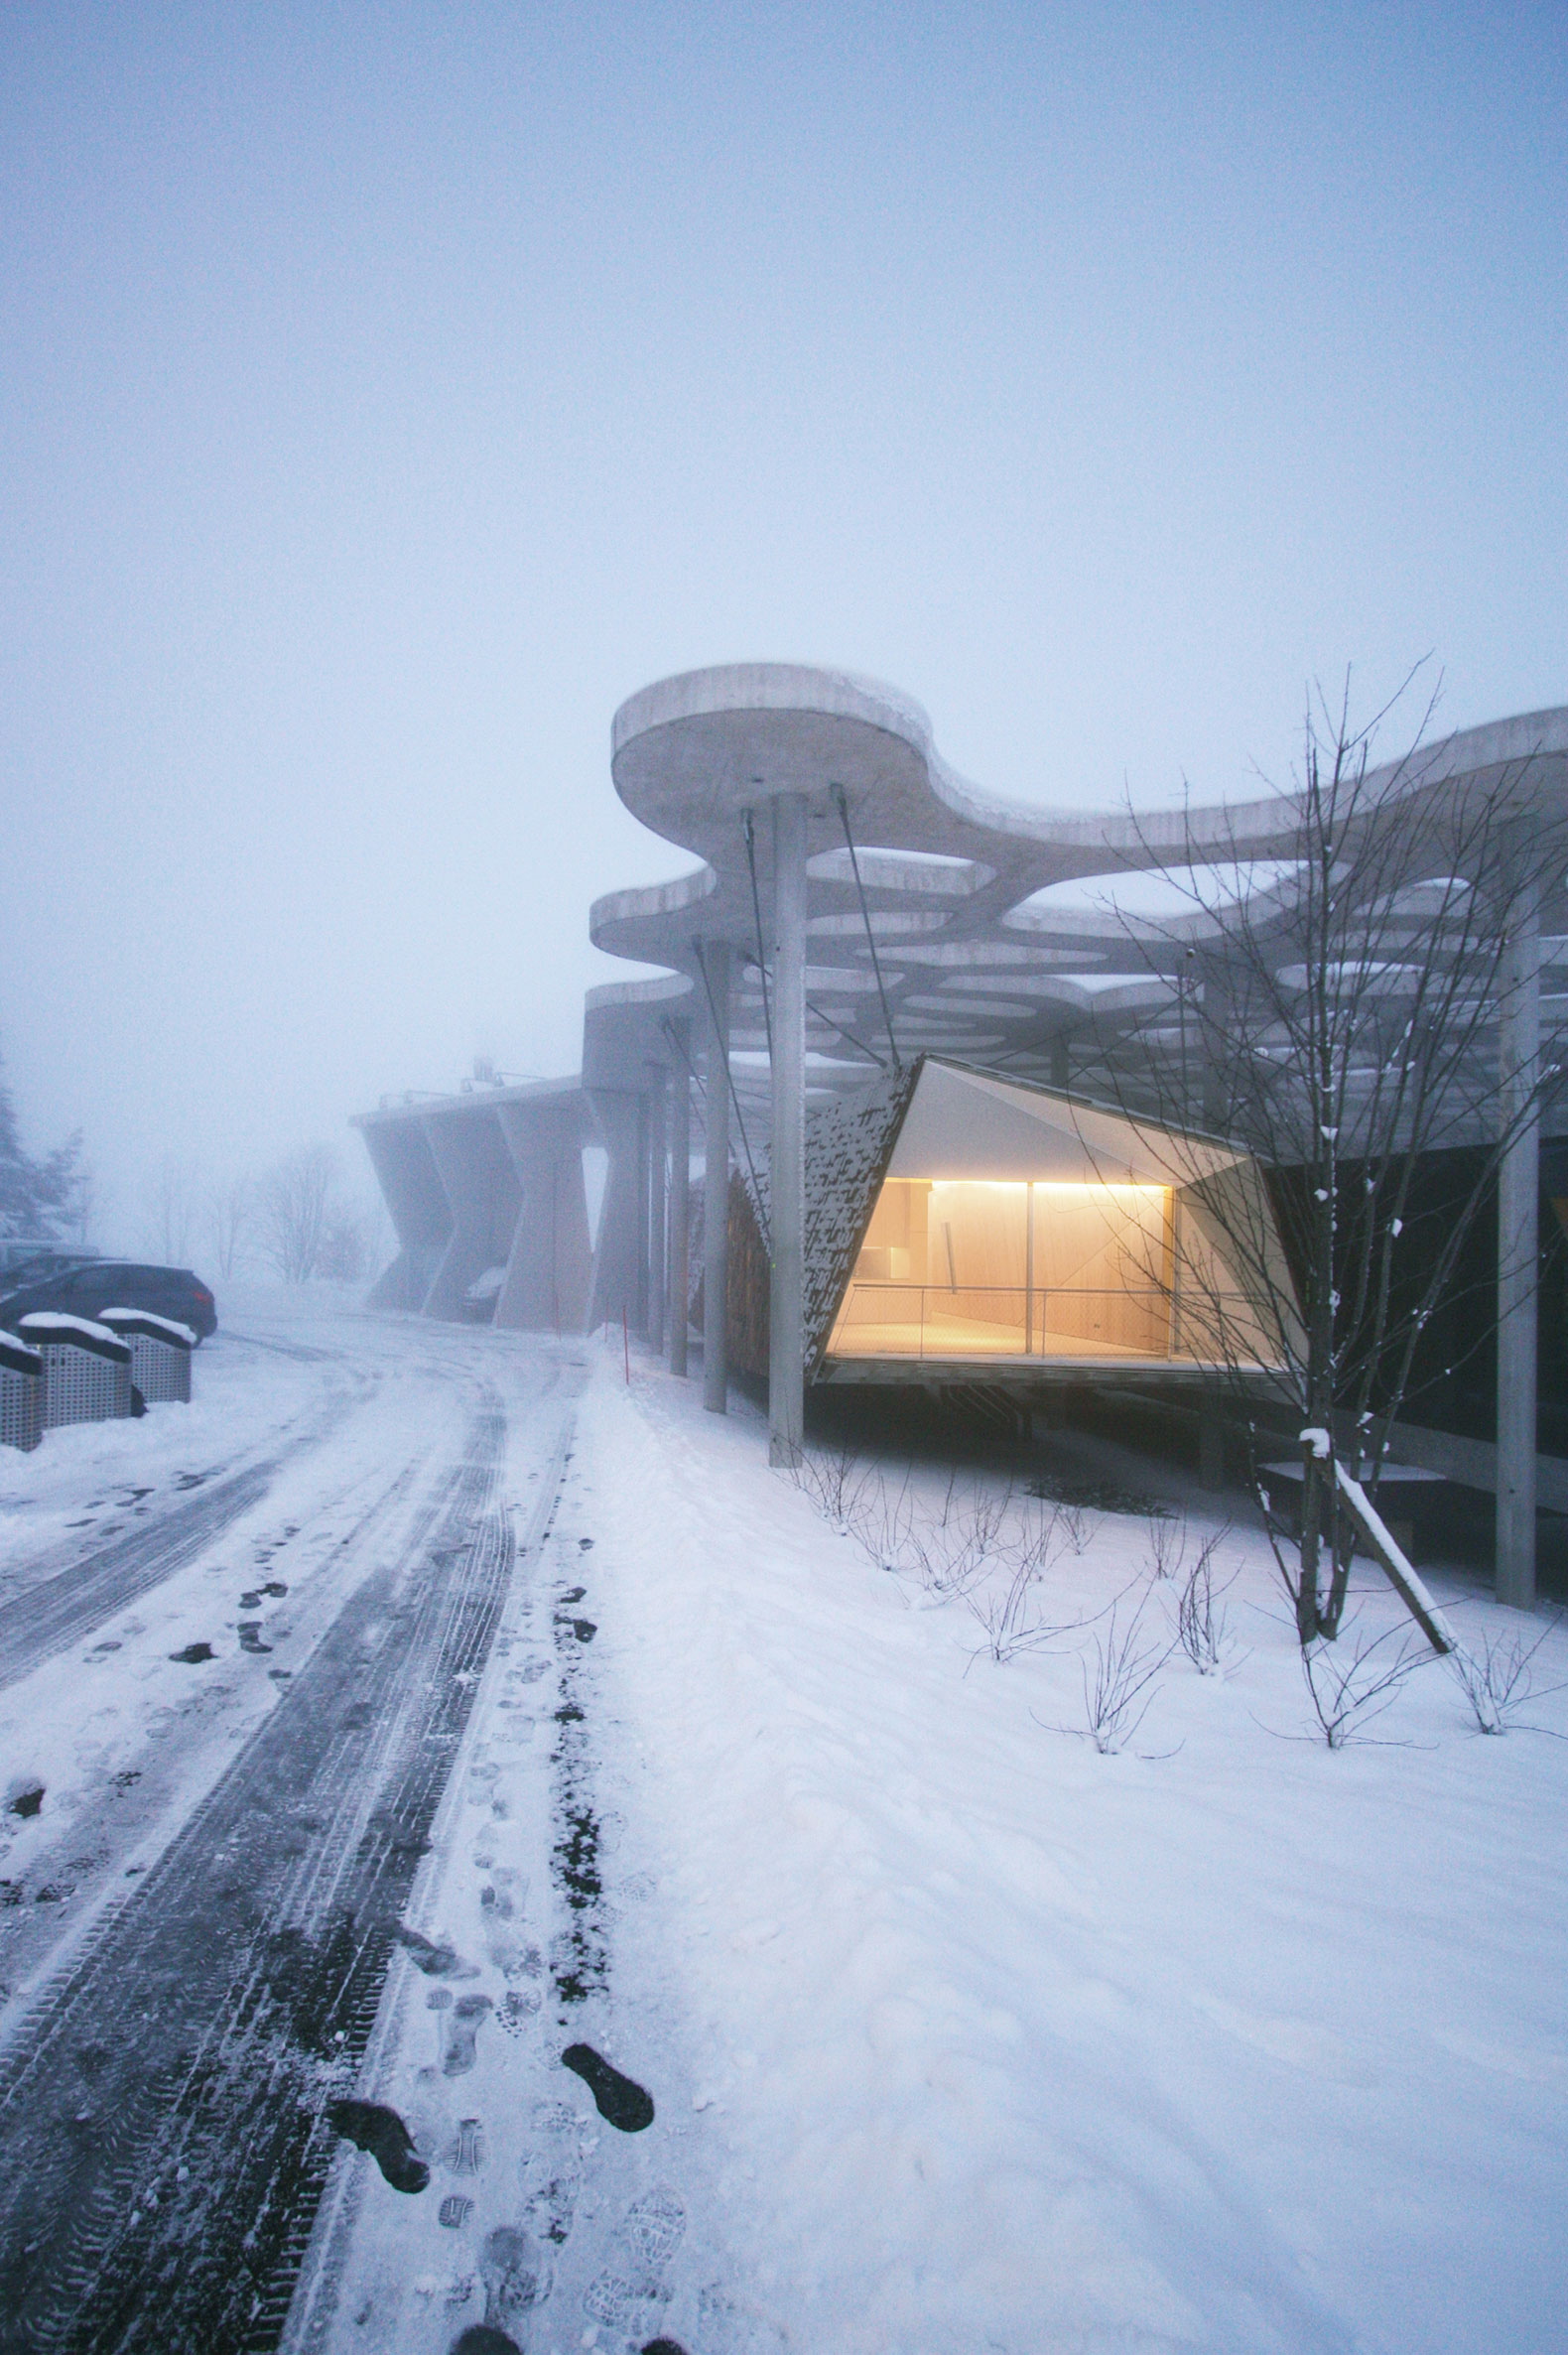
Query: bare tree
[[345, 1251], [294, 1202], [230, 1220], [176, 1195], [1336, 979]]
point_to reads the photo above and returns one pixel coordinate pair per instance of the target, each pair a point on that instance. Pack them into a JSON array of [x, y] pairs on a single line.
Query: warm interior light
[[1049, 1185]]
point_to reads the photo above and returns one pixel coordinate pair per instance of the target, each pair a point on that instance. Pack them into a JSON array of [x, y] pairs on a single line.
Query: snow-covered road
[[487, 1865], [256, 1776]]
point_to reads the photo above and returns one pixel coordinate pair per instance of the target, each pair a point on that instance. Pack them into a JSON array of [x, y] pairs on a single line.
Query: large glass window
[[967, 1267]]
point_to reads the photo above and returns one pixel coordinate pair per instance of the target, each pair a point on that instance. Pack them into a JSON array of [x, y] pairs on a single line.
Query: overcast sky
[[386, 392]]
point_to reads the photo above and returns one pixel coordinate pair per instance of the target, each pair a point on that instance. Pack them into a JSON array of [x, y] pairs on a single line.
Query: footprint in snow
[[436, 1961], [373, 2127], [620, 2101], [515, 2274], [192, 1656], [550, 2203], [480, 2339], [462, 2026], [518, 2005], [250, 1636], [656, 2225]]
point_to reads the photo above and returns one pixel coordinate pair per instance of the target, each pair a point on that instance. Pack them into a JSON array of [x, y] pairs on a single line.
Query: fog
[[388, 392]]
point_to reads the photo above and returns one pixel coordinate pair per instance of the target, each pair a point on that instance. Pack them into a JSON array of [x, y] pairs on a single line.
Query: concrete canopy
[[974, 961]]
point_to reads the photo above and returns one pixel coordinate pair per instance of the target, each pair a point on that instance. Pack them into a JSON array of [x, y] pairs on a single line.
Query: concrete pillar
[[639, 1316], [716, 1183], [1518, 1248], [656, 1097], [1218, 1009], [680, 1222], [787, 1162]]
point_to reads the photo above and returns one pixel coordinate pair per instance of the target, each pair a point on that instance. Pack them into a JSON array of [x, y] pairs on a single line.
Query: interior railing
[[885, 1318]]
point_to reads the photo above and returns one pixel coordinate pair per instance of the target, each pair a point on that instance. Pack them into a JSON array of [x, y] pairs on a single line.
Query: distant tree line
[[292, 1218]]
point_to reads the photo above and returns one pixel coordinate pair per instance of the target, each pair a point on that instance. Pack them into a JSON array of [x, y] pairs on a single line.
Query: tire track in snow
[[53, 1613], [165, 2109]]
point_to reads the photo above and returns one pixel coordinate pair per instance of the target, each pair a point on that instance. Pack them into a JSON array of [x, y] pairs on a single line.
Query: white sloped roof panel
[[963, 1123]]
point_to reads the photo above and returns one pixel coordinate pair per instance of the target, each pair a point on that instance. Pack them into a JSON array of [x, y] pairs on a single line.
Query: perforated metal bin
[[160, 1352], [86, 1368], [21, 1393]]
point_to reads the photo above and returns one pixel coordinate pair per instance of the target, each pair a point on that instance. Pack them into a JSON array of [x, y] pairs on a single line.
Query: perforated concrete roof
[[994, 944]]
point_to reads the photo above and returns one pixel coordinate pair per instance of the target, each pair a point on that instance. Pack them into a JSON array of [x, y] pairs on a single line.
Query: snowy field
[[937, 2027], [1226, 2041]]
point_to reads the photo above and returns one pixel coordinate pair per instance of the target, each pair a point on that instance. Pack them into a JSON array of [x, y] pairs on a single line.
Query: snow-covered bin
[[160, 1352], [21, 1392], [86, 1367]]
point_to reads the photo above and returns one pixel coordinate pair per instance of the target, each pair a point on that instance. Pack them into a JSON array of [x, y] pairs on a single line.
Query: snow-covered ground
[[1226, 2041], [961, 2033]]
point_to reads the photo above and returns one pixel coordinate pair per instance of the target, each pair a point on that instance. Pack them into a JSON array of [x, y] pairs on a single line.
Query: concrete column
[[1519, 1248], [680, 1196], [639, 1316], [656, 1098], [787, 1163], [1218, 1009], [716, 1183]]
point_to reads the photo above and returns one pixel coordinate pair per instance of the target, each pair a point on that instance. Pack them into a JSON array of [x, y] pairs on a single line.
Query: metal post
[[787, 1165], [1028, 1270], [680, 1100], [656, 1117], [1518, 1247], [715, 1182]]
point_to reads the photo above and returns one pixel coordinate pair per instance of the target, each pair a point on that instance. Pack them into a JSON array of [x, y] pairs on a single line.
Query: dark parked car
[[95, 1284]]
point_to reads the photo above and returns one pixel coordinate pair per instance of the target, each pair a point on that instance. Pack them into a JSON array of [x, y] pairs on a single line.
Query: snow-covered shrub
[[1008, 1615], [1118, 1692], [1201, 1628], [1350, 1680], [1498, 1680], [1168, 1543]]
